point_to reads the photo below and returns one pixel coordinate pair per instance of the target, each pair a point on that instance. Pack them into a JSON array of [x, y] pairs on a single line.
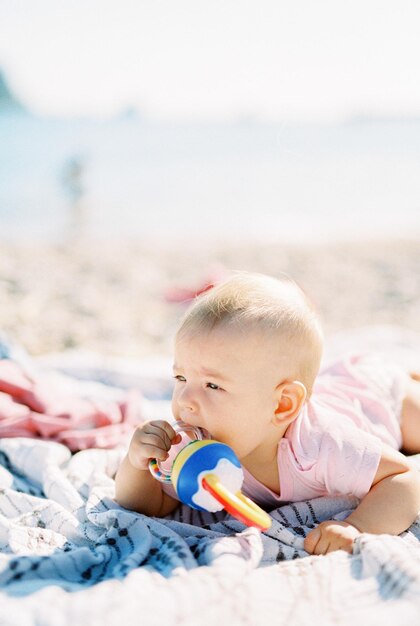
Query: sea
[[241, 180]]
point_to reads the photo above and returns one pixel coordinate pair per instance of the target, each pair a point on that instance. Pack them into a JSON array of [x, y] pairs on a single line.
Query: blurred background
[[148, 147]]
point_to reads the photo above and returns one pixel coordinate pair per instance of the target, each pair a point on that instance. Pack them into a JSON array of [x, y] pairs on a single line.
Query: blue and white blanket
[[70, 555]]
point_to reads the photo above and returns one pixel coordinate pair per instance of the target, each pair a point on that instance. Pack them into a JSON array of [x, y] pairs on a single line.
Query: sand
[[111, 297]]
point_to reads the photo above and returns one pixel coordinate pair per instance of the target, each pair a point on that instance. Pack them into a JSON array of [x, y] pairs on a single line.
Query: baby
[[247, 360]]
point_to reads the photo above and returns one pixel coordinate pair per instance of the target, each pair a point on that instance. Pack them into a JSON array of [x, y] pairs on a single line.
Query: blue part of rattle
[[204, 459]]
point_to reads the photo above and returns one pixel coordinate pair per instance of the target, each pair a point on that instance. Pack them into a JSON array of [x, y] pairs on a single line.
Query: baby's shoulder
[[319, 426], [306, 433]]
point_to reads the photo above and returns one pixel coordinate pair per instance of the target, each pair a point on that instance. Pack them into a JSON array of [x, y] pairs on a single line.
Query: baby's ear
[[290, 397]]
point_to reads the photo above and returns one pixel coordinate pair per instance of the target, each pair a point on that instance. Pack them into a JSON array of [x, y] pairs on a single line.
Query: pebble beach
[[115, 298]]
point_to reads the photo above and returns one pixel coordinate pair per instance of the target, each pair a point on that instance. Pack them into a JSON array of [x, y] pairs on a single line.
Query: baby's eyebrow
[[205, 372], [214, 374]]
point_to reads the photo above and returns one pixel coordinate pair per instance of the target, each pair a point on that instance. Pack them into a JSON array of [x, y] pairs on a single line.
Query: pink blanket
[[38, 407]]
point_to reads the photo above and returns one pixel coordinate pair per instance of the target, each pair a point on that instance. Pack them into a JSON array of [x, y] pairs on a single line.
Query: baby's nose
[[186, 399]]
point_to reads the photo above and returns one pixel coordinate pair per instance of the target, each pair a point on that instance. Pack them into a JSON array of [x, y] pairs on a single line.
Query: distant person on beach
[[72, 179], [247, 361]]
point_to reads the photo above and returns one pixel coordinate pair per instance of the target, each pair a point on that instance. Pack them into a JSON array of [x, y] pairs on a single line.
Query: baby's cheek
[[174, 406]]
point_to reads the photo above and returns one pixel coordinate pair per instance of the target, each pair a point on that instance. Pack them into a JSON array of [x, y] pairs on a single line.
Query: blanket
[[70, 555], [41, 404]]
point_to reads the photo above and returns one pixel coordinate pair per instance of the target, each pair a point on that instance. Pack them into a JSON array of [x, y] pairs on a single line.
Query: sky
[[303, 60]]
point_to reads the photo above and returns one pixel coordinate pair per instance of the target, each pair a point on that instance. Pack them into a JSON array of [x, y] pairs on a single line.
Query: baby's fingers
[[151, 440], [144, 448], [165, 430], [311, 540], [330, 536], [153, 446], [150, 451], [157, 430]]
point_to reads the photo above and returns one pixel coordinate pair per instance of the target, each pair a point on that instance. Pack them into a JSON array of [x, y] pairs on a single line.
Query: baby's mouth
[[206, 434], [192, 432]]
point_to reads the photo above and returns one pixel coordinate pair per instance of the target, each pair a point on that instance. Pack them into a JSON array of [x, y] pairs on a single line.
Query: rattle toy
[[207, 475]]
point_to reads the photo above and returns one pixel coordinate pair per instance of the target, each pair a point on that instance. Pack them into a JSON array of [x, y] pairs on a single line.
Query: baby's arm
[[390, 506], [135, 487]]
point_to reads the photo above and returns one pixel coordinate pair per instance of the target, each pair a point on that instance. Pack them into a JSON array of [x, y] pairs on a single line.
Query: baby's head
[[246, 357], [276, 310]]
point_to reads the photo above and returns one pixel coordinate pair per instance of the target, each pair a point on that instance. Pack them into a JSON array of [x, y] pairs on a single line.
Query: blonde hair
[[275, 306]]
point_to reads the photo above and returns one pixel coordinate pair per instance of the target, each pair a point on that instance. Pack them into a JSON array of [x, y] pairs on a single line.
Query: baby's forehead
[[222, 333], [230, 346]]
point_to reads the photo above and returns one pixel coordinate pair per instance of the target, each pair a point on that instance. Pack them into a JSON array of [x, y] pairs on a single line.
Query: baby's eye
[[212, 386], [180, 378]]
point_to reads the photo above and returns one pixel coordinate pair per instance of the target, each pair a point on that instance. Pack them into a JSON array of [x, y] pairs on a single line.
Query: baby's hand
[[151, 440], [329, 536]]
